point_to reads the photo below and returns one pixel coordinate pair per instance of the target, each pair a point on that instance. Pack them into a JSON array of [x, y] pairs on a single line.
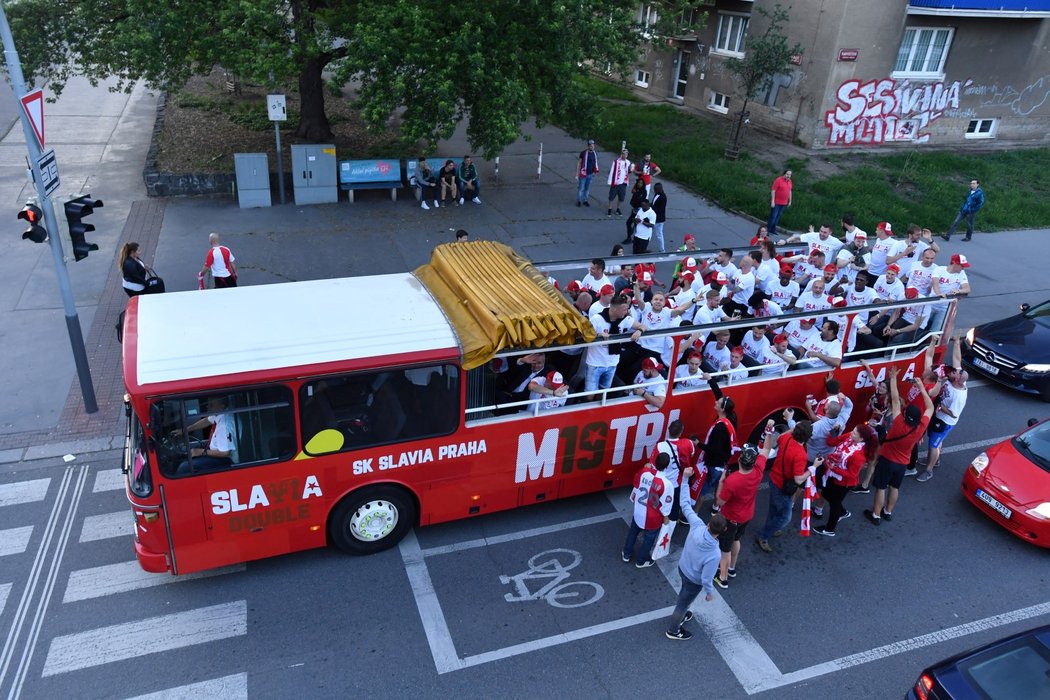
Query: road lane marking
[[442, 648], [130, 640], [924, 640], [108, 480], [5, 589], [29, 592], [513, 536], [111, 579], [233, 687], [23, 492], [103, 527], [975, 445], [15, 540], [76, 492]]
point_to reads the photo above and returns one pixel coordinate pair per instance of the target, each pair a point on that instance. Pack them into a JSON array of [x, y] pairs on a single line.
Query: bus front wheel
[[372, 519]]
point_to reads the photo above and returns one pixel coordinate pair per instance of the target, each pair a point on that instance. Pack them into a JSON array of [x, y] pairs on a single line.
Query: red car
[[1010, 483]]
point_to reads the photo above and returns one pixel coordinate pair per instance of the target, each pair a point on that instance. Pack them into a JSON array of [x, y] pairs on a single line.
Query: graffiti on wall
[[886, 110], [1021, 102]]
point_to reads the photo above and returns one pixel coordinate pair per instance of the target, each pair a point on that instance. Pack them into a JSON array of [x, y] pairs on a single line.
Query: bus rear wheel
[[372, 519]]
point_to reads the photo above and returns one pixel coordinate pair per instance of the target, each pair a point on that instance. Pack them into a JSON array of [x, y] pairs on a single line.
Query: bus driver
[[217, 454]]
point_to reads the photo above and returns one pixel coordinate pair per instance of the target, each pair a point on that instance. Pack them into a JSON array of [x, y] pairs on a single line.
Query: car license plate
[[996, 505], [986, 366]]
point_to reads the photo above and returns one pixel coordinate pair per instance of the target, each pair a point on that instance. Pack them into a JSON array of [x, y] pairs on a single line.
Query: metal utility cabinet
[[253, 180], [314, 175]]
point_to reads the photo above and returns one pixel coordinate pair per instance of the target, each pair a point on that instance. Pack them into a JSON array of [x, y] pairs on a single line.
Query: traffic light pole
[[76, 337]]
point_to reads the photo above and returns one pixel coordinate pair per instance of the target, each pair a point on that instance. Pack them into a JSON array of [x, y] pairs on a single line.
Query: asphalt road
[[454, 611]]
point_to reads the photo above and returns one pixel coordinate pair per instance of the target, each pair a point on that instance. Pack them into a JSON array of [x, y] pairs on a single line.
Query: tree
[[496, 62], [764, 57]]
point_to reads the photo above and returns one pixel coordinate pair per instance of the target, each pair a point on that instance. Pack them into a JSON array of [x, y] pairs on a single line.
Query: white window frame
[[718, 102], [735, 38], [647, 18], [642, 78], [975, 124], [916, 46]]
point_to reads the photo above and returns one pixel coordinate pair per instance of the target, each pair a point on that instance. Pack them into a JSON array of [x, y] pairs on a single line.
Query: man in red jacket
[[789, 467]]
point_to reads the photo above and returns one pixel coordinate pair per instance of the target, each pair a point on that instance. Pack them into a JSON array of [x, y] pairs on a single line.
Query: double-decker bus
[[348, 411]]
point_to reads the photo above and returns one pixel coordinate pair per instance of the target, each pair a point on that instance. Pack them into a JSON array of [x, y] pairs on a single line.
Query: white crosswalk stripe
[[233, 687], [103, 527], [15, 540], [108, 480], [127, 576], [5, 589], [24, 492], [130, 640]]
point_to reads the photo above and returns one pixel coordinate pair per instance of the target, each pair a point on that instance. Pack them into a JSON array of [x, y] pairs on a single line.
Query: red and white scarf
[[807, 499]]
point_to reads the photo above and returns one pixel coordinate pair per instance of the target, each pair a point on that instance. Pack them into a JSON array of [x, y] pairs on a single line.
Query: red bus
[[277, 418]]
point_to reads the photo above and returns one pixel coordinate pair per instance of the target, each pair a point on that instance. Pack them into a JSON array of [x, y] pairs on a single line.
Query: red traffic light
[[35, 232]]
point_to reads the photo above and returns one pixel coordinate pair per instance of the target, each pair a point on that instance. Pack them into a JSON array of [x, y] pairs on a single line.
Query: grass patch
[[917, 186], [604, 89]]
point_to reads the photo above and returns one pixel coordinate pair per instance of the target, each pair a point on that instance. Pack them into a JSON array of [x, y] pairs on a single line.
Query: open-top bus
[[358, 408]]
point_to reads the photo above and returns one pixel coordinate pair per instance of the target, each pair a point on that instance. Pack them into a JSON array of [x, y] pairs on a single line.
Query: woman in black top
[[720, 441], [637, 196], [132, 269]]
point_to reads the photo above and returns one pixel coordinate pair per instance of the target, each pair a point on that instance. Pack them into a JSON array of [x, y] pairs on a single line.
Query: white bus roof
[[190, 335]]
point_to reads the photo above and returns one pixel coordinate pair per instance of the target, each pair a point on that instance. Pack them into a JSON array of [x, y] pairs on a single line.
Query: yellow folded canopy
[[497, 300]]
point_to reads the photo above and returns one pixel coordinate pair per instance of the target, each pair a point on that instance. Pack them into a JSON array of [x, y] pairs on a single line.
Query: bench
[[435, 163], [370, 175]]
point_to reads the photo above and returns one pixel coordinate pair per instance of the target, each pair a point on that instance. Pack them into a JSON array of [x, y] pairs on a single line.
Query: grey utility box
[[253, 180], [314, 174]]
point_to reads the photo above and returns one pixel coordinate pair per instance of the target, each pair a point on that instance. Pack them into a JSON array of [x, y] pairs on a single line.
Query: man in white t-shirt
[[723, 262], [710, 311], [219, 261], [909, 321], [888, 287], [595, 278], [645, 223], [799, 333], [689, 372], [218, 453], [953, 401], [601, 360], [921, 275], [716, 352], [763, 307], [550, 390], [825, 349], [656, 316], [737, 369], [785, 290], [853, 235], [860, 294], [603, 298], [743, 285], [807, 268], [830, 276], [821, 240], [948, 282], [777, 355], [886, 249], [813, 300], [916, 242], [755, 343], [654, 386]]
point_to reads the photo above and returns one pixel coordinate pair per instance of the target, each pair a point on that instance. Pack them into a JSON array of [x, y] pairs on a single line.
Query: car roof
[[947, 673]]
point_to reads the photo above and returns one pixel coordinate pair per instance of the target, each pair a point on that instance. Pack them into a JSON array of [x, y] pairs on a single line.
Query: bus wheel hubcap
[[373, 521]]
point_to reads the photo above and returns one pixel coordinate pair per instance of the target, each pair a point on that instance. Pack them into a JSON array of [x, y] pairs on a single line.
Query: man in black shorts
[[904, 432], [736, 499]]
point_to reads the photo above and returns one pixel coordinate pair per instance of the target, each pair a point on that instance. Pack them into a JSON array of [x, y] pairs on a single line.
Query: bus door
[[230, 491]]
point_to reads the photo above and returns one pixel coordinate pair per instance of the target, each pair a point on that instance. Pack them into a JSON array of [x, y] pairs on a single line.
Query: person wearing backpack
[[789, 472]]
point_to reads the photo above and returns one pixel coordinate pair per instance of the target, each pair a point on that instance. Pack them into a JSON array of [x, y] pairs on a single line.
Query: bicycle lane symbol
[[553, 566]]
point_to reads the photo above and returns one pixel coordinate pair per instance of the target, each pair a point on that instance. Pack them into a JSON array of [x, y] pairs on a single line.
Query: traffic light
[[76, 210], [35, 232]]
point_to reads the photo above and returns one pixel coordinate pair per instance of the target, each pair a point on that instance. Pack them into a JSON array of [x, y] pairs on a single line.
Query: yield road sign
[[48, 166], [33, 104]]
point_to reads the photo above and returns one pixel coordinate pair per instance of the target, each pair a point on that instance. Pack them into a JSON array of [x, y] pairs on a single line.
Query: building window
[[982, 128], [641, 78], [922, 53], [730, 37], [718, 103], [647, 18]]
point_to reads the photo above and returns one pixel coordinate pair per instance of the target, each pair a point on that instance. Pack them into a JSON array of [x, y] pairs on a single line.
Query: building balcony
[[1023, 9]]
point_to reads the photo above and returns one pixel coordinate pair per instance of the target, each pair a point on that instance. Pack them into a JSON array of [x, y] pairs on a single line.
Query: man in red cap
[[888, 287], [799, 332], [687, 264], [949, 281], [654, 385], [777, 355], [549, 391], [785, 290], [830, 276], [908, 323], [886, 249], [688, 243]]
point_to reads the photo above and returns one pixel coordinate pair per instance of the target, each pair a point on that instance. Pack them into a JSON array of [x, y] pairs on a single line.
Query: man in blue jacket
[[973, 204], [698, 564]]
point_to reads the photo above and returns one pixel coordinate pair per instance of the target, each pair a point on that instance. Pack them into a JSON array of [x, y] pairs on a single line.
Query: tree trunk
[[313, 123]]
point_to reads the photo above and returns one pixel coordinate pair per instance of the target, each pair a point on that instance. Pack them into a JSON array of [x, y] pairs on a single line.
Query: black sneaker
[[732, 572], [861, 489], [721, 583], [626, 559], [681, 634], [687, 617], [945, 236], [579, 204], [618, 212], [872, 518], [848, 513], [886, 516], [586, 203], [644, 564], [967, 239], [608, 212], [820, 530]]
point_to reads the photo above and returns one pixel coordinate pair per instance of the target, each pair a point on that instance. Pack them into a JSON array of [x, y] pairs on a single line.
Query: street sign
[[48, 166], [275, 108], [33, 104]]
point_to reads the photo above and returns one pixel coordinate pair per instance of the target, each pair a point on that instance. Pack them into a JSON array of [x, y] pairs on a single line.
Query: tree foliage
[[496, 63]]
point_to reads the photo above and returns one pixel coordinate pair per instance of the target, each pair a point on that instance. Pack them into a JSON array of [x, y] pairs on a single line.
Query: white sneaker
[[424, 205], [476, 200], [460, 200], [436, 204]]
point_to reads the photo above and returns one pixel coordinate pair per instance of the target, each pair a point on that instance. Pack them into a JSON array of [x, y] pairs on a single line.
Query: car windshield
[[1040, 313], [1034, 444]]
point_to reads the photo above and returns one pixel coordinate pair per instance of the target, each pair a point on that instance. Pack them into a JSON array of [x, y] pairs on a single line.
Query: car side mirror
[[1025, 307], [1032, 421]]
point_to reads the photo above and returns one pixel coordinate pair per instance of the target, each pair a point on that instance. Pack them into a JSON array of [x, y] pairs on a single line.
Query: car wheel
[[372, 519]]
